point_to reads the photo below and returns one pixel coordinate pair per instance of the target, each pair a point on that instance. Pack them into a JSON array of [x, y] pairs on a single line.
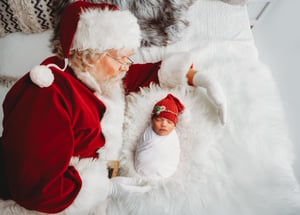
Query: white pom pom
[[42, 76]]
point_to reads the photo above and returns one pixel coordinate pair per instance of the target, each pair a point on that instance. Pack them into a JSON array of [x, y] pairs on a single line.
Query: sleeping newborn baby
[[158, 151]]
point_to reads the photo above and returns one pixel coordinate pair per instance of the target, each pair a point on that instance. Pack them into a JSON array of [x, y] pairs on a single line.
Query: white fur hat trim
[[105, 29], [42, 76]]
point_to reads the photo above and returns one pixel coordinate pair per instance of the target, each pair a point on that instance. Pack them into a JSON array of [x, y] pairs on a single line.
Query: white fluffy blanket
[[244, 167]]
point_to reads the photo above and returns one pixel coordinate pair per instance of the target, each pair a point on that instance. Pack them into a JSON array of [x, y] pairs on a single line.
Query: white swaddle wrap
[[157, 156]]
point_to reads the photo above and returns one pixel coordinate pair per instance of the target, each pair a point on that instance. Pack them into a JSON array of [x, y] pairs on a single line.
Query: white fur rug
[[244, 167]]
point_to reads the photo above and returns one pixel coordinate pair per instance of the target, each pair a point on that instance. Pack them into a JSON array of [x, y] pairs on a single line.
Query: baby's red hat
[[168, 108]]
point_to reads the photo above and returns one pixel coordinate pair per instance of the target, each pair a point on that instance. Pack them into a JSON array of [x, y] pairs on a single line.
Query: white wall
[[277, 36], [16, 45], [17, 57]]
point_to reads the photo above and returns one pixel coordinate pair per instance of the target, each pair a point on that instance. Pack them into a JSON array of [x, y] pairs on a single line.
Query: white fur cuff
[[95, 185], [174, 69], [100, 30]]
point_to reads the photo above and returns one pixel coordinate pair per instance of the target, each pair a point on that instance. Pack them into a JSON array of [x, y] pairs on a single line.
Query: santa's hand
[[214, 92], [125, 186]]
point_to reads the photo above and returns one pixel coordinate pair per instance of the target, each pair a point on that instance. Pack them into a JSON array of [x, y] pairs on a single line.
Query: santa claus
[[63, 120]]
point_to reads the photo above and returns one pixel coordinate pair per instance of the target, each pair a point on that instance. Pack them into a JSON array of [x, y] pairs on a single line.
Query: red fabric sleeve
[[141, 75], [38, 145]]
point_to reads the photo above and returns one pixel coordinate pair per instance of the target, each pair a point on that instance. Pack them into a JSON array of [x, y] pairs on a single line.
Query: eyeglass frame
[[128, 63]]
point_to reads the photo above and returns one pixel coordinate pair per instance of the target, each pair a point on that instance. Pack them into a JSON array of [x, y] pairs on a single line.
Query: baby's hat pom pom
[[42, 76]]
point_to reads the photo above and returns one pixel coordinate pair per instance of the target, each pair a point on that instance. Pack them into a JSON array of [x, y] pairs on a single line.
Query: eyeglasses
[[128, 62]]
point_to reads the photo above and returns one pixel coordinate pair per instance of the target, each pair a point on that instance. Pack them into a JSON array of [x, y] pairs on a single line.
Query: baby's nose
[[164, 122]]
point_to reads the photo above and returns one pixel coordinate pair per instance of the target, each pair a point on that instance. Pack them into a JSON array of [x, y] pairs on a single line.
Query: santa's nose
[[124, 68]]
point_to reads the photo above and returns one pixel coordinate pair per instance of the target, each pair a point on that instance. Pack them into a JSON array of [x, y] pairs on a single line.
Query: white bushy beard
[[109, 85], [112, 95], [110, 91]]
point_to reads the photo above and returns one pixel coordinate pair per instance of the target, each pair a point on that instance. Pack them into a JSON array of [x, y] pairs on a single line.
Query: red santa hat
[[168, 108], [86, 25]]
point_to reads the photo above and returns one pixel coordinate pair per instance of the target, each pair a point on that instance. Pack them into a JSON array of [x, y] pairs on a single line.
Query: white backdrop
[[19, 52], [278, 41]]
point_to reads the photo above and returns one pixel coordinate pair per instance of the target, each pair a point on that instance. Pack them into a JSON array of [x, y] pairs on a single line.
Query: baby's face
[[162, 126]]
